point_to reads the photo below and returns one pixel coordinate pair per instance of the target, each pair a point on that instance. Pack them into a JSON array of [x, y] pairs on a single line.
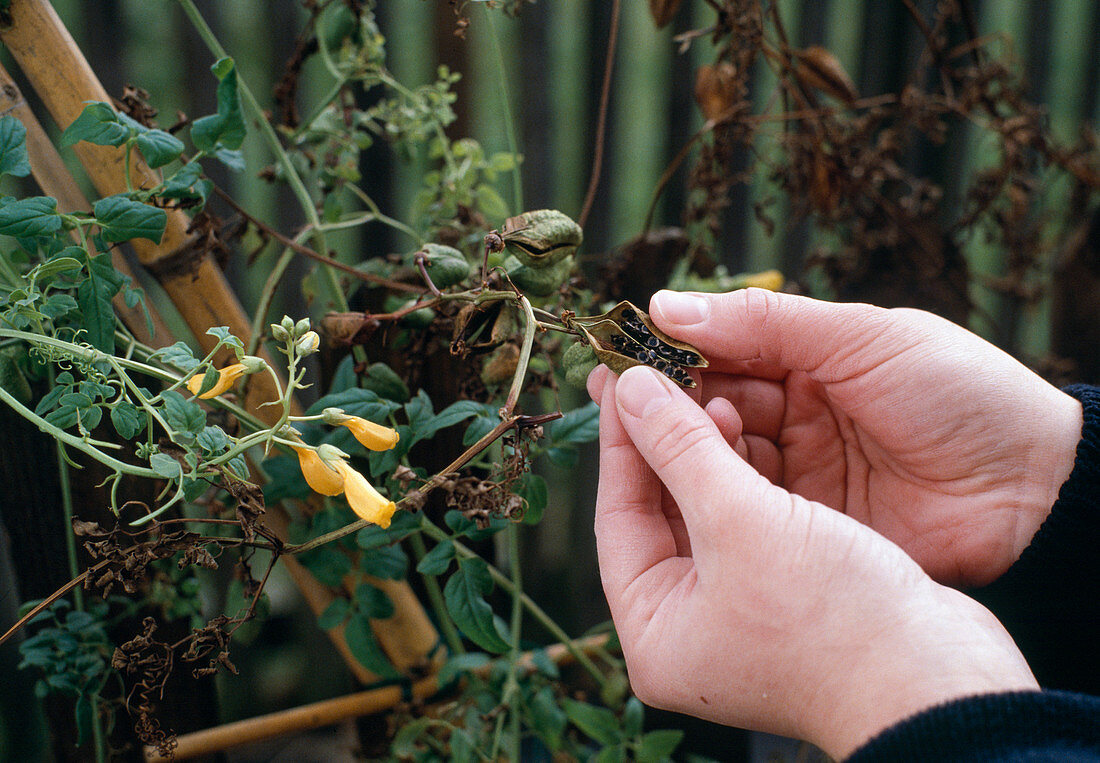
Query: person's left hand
[[742, 603]]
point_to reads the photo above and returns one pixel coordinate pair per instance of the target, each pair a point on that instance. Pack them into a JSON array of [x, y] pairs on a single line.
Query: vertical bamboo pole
[[61, 76], [54, 179]]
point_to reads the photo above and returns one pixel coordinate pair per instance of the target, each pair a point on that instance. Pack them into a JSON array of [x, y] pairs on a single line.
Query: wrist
[[944, 648]]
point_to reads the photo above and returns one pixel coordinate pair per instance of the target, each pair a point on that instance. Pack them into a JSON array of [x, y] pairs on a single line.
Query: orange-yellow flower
[[227, 377], [364, 500], [372, 436], [321, 477], [327, 472]]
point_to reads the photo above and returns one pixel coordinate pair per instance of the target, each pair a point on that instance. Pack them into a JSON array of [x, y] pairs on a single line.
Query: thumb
[[830, 340], [720, 496]]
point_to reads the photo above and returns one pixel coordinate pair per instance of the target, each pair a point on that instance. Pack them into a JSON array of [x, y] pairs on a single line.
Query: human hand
[[740, 602], [898, 418]]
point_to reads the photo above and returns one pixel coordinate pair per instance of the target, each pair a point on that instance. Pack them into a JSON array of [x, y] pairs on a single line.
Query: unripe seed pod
[[541, 238], [578, 362], [444, 264], [541, 282]]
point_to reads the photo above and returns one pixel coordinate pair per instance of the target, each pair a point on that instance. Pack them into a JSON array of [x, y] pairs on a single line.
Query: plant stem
[[509, 121], [435, 597], [510, 695]]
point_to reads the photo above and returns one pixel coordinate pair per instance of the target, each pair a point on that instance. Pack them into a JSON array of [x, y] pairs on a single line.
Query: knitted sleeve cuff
[[1049, 599]]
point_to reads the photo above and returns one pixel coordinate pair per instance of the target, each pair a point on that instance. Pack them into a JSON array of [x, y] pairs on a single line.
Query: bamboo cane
[[331, 711], [54, 179], [63, 79]]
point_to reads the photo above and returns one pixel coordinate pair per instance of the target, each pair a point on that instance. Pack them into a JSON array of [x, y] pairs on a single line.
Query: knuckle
[[684, 441]]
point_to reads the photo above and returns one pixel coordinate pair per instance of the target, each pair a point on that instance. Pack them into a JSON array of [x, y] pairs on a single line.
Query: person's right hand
[[912, 425]]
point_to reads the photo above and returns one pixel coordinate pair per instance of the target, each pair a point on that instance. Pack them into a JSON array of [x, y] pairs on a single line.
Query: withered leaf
[[819, 69], [716, 89], [663, 11]]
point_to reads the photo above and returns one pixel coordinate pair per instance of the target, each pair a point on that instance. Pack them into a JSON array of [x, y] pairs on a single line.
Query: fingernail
[[641, 392], [684, 309]]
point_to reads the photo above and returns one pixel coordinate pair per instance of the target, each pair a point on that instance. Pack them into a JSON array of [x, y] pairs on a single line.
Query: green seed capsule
[[542, 281], [578, 362], [541, 238], [444, 264]]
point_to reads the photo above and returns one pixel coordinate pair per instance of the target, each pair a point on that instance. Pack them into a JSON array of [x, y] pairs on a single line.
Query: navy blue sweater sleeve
[[1049, 600]]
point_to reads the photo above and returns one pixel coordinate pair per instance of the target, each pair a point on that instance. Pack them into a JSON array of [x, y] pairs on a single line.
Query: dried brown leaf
[[817, 68], [663, 11]]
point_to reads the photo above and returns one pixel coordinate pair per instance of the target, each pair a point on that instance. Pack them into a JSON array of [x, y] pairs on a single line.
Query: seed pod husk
[[540, 282], [578, 362], [542, 237], [625, 336], [445, 264], [501, 365]]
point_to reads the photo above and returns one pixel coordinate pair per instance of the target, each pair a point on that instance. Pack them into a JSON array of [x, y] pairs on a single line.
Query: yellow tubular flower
[[364, 500], [227, 377], [373, 436], [321, 477]]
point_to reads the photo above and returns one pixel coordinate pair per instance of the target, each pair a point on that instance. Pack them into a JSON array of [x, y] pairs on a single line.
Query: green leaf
[[122, 219], [633, 717], [542, 662], [438, 560], [226, 129], [127, 419], [13, 148], [599, 723], [30, 217], [364, 646], [386, 562], [461, 663], [54, 266], [449, 416], [159, 147], [165, 465], [356, 402], [533, 490], [404, 524], [226, 337], [213, 440], [178, 355], [328, 565], [576, 426], [183, 415], [373, 602], [547, 719], [657, 746], [464, 594], [12, 378], [334, 614], [93, 296], [384, 381], [98, 123], [612, 754]]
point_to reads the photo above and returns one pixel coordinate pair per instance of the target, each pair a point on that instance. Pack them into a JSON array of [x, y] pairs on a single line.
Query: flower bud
[[308, 343], [252, 364], [334, 416], [301, 327], [278, 333]]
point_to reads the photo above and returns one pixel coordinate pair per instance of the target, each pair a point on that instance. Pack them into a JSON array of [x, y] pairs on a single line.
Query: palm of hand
[[930, 465]]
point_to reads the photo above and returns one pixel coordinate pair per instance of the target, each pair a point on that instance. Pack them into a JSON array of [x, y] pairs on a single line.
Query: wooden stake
[[330, 711], [54, 179]]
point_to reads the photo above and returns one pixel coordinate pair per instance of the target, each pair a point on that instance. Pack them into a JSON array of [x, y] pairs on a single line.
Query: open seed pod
[[625, 337], [542, 237]]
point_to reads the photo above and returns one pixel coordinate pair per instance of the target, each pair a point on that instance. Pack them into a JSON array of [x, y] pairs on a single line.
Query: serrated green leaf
[[364, 646], [165, 465], [213, 440], [438, 560], [183, 415], [178, 355], [226, 129], [599, 723], [122, 219], [98, 123], [226, 337], [93, 296], [180, 184], [464, 594], [13, 148], [159, 147], [30, 217]]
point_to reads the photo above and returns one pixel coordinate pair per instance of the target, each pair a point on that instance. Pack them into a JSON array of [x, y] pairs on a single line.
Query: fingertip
[[595, 382]]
